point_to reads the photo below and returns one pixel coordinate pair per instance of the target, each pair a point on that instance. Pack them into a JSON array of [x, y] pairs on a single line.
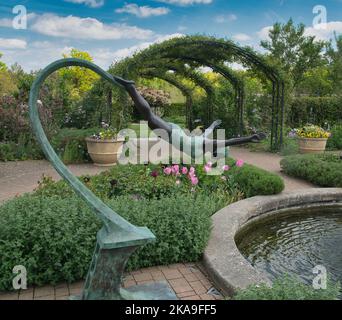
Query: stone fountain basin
[[227, 267]]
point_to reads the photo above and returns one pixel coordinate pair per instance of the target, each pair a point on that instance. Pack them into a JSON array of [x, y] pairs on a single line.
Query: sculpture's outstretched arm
[[154, 122], [255, 138]]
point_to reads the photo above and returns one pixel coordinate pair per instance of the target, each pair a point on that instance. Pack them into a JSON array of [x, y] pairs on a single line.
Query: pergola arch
[[171, 79], [196, 77], [214, 53]]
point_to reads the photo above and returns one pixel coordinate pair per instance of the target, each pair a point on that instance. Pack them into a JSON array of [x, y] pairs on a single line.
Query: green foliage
[[317, 110], [54, 238], [335, 141], [23, 150], [70, 144], [253, 181], [79, 80], [288, 288], [293, 50], [138, 181], [324, 170], [334, 55]]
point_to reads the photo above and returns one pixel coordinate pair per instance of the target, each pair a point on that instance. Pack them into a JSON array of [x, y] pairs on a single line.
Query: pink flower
[[167, 171], [209, 164], [194, 180], [184, 170], [175, 169], [239, 163], [192, 171], [207, 168], [225, 168]]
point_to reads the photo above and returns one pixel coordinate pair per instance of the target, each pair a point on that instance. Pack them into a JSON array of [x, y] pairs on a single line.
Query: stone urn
[[312, 145], [104, 152]]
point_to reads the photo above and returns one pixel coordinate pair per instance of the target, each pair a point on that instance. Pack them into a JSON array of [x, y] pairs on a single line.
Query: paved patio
[[189, 281]]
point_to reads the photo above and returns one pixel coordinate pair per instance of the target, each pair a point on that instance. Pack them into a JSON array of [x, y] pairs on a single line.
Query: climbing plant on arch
[[195, 51]]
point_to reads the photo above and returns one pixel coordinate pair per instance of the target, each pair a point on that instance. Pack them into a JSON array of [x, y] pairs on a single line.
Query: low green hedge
[[54, 238], [324, 170], [288, 288], [253, 181]]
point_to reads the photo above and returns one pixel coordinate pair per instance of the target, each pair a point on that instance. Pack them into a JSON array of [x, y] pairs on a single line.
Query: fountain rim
[[226, 266]]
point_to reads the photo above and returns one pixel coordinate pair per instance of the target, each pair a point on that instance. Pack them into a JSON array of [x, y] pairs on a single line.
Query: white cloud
[[325, 31], [89, 3], [36, 56], [12, 43], [223, 18], [126, 52], [241, 37], [186, 2], [7, 23], [143, 11], [263, 33], [86, 28], [105, 57]]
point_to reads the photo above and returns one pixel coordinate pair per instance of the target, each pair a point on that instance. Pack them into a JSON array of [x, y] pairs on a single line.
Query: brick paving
[[189, 281]]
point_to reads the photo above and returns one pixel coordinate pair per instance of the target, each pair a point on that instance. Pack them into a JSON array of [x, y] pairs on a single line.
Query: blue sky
[[113, 29]]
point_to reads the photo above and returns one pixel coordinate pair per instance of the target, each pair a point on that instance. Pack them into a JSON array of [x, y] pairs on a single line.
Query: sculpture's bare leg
[[154, 122], [210, 129]]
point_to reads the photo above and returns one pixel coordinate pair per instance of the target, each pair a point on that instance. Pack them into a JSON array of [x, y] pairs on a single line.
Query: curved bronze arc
[[112, 221]]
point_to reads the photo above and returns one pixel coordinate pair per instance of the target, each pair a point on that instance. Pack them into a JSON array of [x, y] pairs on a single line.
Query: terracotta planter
[[104, 153], [312, 145]]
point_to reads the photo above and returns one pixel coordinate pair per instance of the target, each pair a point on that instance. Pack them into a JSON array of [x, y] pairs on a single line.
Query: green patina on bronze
[[118, 238]]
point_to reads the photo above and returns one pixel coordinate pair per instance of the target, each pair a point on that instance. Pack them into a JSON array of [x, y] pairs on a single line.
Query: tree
[[77, 79], [295, 52], [7, 83], [2, 64], [316, 82], [335, 63]]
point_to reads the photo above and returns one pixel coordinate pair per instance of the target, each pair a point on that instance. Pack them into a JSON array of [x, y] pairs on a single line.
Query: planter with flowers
[[312, 139], [105, 147]]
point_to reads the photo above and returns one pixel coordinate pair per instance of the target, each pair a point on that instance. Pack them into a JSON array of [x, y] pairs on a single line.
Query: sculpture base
[[150, 291]]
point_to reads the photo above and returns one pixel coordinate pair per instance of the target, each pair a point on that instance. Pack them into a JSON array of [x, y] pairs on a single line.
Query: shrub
[[54, 238], [324, 170], [317, 110], [70, 144], [23, 150], [288, 288], [335, 141], [253, 181]]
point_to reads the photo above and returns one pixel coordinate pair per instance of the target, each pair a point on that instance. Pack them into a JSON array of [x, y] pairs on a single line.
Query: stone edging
[[225, 264]]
